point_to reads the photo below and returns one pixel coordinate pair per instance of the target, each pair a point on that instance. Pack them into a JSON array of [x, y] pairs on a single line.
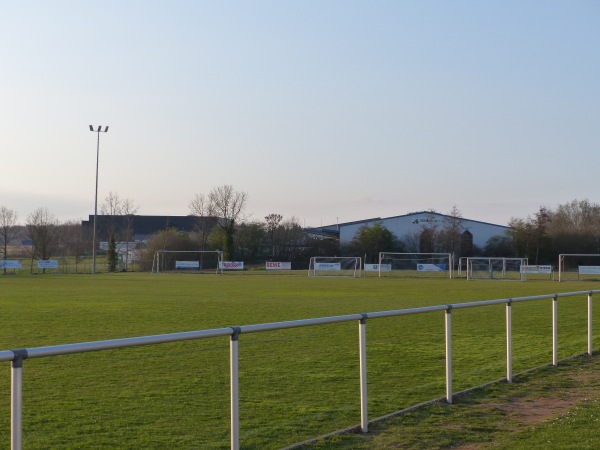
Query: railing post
[[235, 389], [555, 330], [364, 408], [449, 354], [589, 308], [509, 341], [16, 406]]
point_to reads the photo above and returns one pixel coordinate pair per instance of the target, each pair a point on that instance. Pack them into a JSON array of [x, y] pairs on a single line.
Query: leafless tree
[[273, 220], [8, 229], [128, 209], [114, 206], [201, 208], [450, 235], [71, 240], [42, 228], [228, 205]]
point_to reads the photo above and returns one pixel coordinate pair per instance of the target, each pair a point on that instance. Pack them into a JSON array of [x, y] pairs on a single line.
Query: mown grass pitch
[[294, 384]]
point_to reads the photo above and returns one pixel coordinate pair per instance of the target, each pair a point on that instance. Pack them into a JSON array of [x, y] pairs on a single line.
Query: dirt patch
[[533, 411]]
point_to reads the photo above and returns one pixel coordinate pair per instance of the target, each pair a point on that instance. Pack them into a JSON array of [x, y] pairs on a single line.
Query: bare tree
[[42, 227], [8, 229], [228, 205], [201, 208], [450, 235], [128, 209], [273, 220], [124, 209], [71, 240]]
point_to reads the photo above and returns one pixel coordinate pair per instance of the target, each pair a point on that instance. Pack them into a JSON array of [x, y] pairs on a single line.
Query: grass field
[[294, 384]]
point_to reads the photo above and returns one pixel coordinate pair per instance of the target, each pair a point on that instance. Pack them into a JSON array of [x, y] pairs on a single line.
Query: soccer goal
[[335, 266], [480, 268], [428, 265], [188, 261], [578, 266]]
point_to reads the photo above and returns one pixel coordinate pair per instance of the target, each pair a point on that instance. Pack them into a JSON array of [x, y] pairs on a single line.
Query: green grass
[[294, 384], [552, 407]]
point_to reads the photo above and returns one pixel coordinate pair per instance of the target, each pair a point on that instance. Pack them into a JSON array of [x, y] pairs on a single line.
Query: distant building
[[478, 233], [142, 226]]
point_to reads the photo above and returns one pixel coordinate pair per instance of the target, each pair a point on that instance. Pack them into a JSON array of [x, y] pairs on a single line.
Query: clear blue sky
[[320, 109]]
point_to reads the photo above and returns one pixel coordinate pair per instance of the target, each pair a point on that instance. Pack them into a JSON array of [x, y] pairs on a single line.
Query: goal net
[[334, 266], [425, 265], [578, 267], [479, 268], [189, 261]]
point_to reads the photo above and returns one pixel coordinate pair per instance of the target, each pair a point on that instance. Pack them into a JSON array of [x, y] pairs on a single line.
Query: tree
[[112, 257], [250, 241], [71, 240], [371, 240], [205, 221], [8, 229], [114, 206], [450, 236], [42, 228], [273, 220], [128, 209], [228, 205], [289, 239]]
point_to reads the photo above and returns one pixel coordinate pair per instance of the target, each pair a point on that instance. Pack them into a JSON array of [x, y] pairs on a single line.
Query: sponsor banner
[[10, 264], [589, 270], [232, 265], [328, 266], [187, 264], [279, 266], [431, 267], [375, 267], [47, 264], [536, 269]]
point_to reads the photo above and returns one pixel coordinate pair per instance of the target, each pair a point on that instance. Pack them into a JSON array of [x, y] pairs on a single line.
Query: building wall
[[415, 222]]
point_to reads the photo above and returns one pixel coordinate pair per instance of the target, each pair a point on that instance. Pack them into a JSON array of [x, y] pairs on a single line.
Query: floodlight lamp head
[[105, 129], [91, 128]]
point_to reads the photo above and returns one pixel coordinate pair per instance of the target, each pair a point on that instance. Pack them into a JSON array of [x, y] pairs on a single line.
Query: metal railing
[[17, 357]]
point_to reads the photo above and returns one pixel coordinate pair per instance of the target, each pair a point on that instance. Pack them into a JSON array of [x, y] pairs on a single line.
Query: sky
[[328, 111]]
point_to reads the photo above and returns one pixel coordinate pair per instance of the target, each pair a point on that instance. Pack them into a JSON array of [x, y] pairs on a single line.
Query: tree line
[[221, 223]]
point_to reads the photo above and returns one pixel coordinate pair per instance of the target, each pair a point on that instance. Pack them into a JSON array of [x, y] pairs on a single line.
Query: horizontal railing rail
[[18, 356]]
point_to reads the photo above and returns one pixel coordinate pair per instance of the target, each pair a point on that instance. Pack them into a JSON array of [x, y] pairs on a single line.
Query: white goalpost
[[188, 261], [578, 266], [415, 264], [335, 266], [496, 268]]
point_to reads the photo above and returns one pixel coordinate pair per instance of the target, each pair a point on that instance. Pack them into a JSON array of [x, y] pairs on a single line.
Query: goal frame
[[156, 261], [561, 263], [448, 257], [357, 271], [523, 261]]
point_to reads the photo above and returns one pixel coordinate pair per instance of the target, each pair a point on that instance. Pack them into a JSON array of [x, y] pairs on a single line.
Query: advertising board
[[187, 264], [47, 264], [271, 265]]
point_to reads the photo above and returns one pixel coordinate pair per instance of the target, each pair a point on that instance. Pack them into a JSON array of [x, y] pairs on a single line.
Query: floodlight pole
[[98, 131]]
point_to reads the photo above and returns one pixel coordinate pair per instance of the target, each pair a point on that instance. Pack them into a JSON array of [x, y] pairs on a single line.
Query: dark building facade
[[141, 227]]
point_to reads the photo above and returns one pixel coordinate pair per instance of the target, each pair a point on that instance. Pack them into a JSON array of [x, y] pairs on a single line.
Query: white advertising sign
[[328, 266], [47, 264], [375, 267], [589, 270], [187, 264], [232, 265], [10, 264], [431, 267], [536, 269], [279, 266]]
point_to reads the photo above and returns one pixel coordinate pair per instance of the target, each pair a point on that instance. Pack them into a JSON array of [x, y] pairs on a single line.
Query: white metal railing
[[17, 357]]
